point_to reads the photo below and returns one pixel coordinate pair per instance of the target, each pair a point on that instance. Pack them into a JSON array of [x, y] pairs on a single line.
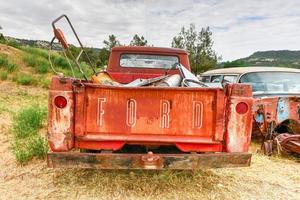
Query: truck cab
[[128, 63]]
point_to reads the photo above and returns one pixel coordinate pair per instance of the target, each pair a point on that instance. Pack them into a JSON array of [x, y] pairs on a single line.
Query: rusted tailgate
[[157, 115]]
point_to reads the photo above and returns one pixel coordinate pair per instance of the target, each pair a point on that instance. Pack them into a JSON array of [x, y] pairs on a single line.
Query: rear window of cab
[[148, 61]]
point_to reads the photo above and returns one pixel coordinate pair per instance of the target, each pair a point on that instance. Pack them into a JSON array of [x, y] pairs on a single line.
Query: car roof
[[242, 70], [149, 49]]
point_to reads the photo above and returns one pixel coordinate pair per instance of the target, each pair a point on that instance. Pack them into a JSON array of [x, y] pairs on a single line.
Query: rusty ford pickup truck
[[142, 117]]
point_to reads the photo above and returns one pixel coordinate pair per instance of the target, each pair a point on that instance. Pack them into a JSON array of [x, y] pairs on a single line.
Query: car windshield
[[273, 82], [148, 61]]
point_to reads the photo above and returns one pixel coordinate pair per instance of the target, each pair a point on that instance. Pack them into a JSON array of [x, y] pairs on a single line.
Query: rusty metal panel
[[220, 116], [270, 112], [154, 111], [238, 126], [147, 161], [60, 122], [288, 143]]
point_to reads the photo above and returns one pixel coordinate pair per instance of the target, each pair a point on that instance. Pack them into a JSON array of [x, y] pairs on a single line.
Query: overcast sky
[[239, 27]]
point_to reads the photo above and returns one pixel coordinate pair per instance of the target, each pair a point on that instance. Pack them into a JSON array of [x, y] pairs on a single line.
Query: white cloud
[[239, 27]]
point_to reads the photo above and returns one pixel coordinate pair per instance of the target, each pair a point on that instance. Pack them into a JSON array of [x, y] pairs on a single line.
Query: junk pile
[[284, 143], [185, 79], [288, 143]]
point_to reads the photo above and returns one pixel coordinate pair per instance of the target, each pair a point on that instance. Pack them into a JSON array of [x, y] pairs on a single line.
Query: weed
[[45, 83], [27, 149], [25, 79], [3, 60], [40, 64], [29, 121], [30, 60], [3, 75], [22, 155], [11, 67], [43, 66], [61, 62], [37, 147], [4, 63], [27, 142]]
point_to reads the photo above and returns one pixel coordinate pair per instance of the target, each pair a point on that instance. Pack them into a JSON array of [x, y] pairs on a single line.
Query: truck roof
[[149, 49], [242, 70]]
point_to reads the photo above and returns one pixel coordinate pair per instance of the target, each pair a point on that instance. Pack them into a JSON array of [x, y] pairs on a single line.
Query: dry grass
[[141, 184], [266, 178]]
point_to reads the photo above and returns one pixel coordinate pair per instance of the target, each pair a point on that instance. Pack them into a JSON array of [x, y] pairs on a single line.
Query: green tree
[[92, 54], [2, 39], [104, 53], [199, 45], [103, 57], [235, 63], [111, 42], [138, 41]]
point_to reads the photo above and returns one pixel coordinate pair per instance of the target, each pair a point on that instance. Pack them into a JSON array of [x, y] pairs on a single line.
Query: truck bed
[[108, 119]]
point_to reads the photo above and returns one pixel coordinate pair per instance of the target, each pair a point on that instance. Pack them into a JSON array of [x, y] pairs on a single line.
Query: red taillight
[[241, 108], [60, 101]]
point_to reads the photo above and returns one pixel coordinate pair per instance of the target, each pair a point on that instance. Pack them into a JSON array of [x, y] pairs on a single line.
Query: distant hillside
[[40, 43], [34, 43], [281, 58]]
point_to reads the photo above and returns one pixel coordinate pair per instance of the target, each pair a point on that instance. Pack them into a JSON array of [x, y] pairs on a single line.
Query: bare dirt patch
[[266, 178]]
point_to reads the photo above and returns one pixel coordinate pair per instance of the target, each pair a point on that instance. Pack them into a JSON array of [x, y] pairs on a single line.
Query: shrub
[[28, 148], [27, 142], [37, 147], [45, 83], [42, 69], [21, 154], [3, 61], [30, 60], [61, 62], [40, 64], [3, 75], [11, 67], [29, 121], [25, 79]]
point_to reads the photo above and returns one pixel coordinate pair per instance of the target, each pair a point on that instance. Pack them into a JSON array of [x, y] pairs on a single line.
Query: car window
[[216, 79], [272, 81], [230, 79], [148, 61], [205, 79]]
